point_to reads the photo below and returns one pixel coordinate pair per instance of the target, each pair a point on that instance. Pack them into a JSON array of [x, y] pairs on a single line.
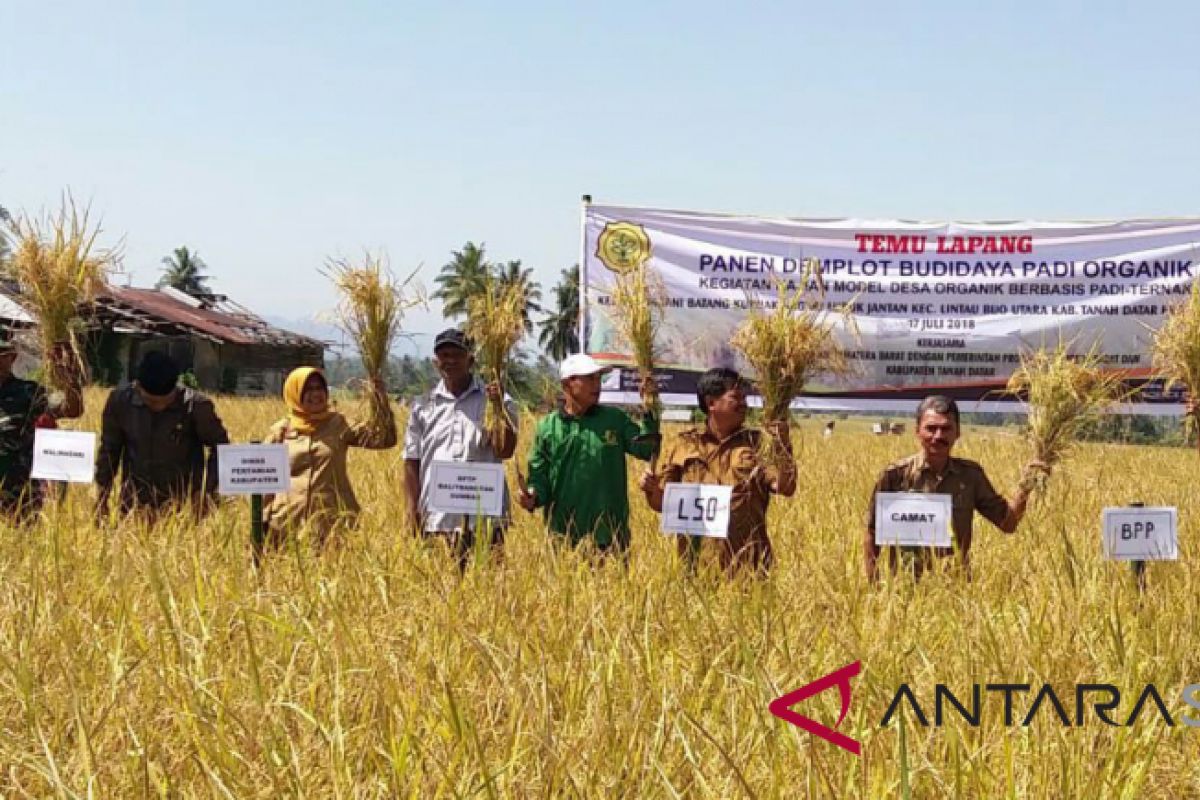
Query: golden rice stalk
[[787, 345], [1064, 393], [639, 298], [59, 268], [495, 323], [371, 308], [1176, 348]]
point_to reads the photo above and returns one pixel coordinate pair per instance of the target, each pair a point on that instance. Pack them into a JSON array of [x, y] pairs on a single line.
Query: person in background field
[[318, 440], [934, 470], [725, 452], [24, 407], [577, 463], [447, 425], [156, 433]]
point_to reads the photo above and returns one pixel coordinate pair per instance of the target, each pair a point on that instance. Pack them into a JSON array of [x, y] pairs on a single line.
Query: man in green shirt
[[577, 466]]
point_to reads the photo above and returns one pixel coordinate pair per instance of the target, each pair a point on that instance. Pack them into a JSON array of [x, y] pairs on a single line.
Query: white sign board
[[253, 469], [68, 456], [912, 519], [697, 509], [1141, 534], [467, 488]]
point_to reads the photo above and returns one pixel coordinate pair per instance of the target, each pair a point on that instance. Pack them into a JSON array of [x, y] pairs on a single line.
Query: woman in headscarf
[[318, 440]]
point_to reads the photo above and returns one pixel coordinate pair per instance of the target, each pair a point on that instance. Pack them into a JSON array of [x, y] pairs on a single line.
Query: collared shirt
[[320, 492], [698, 456], [577, 472], [965, 482], [442, 427], [161, 454]]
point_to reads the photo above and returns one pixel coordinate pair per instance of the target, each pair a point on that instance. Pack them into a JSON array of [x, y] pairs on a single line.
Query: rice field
[[156, 662]]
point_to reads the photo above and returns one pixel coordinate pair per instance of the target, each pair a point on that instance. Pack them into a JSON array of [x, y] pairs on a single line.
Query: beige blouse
[[321, 493]]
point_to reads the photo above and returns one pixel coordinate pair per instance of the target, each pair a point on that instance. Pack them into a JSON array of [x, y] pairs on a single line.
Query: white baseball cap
[[580, 364]]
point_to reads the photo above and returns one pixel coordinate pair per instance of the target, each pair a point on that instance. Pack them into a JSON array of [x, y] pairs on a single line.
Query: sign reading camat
[[467, 488], [912, 519], [1141, 534], [696, 509], [253, 469], [68, 456]]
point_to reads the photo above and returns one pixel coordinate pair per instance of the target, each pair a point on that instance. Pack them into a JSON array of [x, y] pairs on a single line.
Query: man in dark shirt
[[22, 404], [157, 433]]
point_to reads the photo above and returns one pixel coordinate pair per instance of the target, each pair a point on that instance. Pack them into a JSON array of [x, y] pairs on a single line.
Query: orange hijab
[[299, 420]]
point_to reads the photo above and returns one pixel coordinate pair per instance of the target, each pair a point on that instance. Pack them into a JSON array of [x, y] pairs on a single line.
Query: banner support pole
[[584, 202]]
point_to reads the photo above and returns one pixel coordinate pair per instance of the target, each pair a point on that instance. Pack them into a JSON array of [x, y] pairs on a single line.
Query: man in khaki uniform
[[935, 471], [726, 453]]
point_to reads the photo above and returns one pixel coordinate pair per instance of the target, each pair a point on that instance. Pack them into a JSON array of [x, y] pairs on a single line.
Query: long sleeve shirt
[[577, 472], [320, 492], [161, 455]]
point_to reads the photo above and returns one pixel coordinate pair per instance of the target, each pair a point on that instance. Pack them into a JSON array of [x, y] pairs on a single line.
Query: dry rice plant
[[1176, 348], [58, 267], [787, 345], [495, 323], [638, 300], [373, 304], [1064, 393]]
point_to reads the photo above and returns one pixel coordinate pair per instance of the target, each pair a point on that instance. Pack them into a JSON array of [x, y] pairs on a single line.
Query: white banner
[[941, 307], [67, 456]]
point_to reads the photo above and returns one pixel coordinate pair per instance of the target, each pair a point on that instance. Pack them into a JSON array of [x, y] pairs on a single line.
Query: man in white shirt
[[447, 425]]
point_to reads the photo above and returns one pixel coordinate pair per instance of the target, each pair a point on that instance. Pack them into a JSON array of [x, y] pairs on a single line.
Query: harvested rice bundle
[[1064, 393], [1176, 348], [59, 268], [495, 323], [373, 304], [638, 300], [787, 345]]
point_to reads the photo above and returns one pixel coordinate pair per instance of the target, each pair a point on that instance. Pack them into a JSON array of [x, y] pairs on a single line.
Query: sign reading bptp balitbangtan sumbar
[[912, 519], [467, 488], [253, 469], [68, 456], [1141, 534], [697, 509]]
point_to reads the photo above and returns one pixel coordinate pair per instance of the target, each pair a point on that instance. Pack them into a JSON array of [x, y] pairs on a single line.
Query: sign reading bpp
[[1141, 534]]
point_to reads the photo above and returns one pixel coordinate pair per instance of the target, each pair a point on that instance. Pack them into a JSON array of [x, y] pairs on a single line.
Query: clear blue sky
[[270, 135]]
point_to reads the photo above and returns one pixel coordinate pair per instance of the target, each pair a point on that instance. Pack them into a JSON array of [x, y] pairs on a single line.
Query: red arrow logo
[[781, 706]]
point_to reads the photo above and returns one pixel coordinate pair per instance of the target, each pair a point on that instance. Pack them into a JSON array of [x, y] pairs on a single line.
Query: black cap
[[452, 336], [158, 373]]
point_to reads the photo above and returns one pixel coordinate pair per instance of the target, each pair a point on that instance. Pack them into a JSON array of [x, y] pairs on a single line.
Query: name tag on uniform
[[697, 509], [911, 519], [460, 487], [67, 456]]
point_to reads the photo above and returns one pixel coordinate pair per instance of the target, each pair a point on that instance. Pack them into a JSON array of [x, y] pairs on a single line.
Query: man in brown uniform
[[725, 452], [935, 471]]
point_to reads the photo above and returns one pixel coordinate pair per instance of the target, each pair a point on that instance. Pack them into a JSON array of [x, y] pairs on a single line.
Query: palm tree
[[512, 273], [559, 336], [5, 222], [460, 279], [183, 270]]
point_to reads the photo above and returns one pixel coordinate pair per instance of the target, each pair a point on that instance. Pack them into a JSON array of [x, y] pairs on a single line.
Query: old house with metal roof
[[226, 346]]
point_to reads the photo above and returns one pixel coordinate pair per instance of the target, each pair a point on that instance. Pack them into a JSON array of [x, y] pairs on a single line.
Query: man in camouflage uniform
[[22, 405]]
